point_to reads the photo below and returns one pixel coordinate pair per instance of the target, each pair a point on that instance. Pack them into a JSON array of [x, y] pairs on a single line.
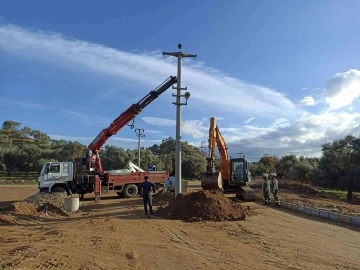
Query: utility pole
[[240, 154], [139, 133], [178, 104]]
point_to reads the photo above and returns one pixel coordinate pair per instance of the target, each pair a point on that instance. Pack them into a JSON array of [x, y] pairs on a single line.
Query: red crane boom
[[124, 118]]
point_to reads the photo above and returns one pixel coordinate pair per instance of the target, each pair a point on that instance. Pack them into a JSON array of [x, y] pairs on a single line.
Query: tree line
[[26, 150], [338, 167]]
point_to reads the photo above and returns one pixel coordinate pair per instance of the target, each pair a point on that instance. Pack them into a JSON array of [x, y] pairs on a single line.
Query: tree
[[11, 125], [286, 165], [340, 162]]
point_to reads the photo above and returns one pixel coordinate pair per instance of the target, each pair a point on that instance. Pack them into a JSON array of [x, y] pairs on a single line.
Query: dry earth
[[115, 234], [306, 195]]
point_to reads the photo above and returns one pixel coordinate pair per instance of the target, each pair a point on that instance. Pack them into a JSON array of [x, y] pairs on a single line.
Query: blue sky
[[279, 76]]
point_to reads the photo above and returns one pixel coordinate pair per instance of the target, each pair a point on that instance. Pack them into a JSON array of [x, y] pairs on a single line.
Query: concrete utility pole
[[139, 133], [240, 154], [178, 104]]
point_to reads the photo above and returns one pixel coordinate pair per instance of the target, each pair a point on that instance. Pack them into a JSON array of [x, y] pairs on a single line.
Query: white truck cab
[[55, 177]]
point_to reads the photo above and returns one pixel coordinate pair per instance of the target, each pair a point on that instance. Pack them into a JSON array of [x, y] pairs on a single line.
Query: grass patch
[[341, 194]]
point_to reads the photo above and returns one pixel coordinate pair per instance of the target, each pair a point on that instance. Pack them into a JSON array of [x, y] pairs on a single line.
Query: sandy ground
[[115, 234]]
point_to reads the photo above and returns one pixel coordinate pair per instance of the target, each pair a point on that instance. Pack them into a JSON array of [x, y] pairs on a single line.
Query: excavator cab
[[239, 173]]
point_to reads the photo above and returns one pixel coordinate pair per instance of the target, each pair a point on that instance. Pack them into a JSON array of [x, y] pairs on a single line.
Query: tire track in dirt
[[181, 240]]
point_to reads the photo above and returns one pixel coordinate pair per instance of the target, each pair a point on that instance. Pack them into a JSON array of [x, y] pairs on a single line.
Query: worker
[[147, 188], [266, 189], [275, 188]]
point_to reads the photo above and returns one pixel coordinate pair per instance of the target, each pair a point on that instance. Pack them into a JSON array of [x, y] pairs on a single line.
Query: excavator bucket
[[211, 181]]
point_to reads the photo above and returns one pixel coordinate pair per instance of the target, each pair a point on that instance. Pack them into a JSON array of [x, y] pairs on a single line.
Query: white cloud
[[193, 128], [249, 120], [152, 131], [291, 128], [301, 137], [114, 140], [307, 101], [81, 114], [342, 89], [222, 91]]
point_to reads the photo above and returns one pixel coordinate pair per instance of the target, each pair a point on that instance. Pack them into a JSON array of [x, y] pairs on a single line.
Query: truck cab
[[56, 177]]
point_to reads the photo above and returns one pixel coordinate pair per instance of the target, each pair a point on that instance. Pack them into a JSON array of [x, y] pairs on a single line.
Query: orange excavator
[[234, 175]]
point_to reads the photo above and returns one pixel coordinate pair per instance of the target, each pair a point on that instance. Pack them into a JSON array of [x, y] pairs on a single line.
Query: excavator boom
[[122, 120]]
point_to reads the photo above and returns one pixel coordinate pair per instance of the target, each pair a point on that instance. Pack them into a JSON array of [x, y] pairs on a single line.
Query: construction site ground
[[306, 195], [115, 234]]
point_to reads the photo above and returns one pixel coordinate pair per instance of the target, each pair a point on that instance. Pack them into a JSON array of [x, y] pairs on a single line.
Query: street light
[[178, 104]]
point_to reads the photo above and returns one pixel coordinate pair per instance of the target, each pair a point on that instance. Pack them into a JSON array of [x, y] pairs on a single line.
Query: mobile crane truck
[[234, 176], [86, 175]]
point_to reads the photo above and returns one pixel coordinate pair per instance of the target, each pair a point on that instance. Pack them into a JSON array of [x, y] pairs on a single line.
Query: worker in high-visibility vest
[[266, 189], [275, 188]]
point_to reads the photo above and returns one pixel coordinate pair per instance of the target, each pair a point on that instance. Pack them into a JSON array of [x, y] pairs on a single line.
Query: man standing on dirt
[[266, 189], [147, 188], [275, 189]]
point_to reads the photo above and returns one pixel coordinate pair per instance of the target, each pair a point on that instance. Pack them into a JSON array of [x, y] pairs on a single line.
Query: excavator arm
[[94, 147], [213, 179], [223, 150], [223, 179]]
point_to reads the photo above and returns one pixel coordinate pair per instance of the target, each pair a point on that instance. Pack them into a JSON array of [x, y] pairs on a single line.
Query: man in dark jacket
[[147, 189]]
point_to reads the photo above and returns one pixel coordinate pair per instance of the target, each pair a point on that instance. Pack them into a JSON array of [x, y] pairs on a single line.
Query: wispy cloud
[[152, 131], [249, 120], [117, 141], [222, 91], [81, 114], [193, 128]]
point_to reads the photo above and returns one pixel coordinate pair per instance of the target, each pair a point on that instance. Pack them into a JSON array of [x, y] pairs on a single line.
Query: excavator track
[[247, 194]]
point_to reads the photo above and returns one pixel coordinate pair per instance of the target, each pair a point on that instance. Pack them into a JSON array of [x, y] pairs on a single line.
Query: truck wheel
[[59, 190], [130, 191]]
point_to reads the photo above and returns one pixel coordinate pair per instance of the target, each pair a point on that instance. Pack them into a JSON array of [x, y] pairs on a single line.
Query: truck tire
[[59, 190], [130, 191]]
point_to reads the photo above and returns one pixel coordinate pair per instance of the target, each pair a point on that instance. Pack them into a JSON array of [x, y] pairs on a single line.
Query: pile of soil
[[7, 220], [287, 184], [54, 199], [202, 206], [163, 198], [23, 208]]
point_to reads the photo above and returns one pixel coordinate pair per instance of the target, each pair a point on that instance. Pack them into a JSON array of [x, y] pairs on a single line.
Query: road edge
[[319, 213]]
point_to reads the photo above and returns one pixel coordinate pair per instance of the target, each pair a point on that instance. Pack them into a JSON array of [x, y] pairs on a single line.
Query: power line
[[139, 133]]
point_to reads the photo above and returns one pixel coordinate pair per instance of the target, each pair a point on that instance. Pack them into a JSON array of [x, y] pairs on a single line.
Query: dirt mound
[[202, 205], [6, 220], [55, 199], [163, 198], [288, 184], [24, 208]]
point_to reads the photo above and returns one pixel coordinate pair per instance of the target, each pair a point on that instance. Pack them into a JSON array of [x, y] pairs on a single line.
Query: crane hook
[[132, 124]]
